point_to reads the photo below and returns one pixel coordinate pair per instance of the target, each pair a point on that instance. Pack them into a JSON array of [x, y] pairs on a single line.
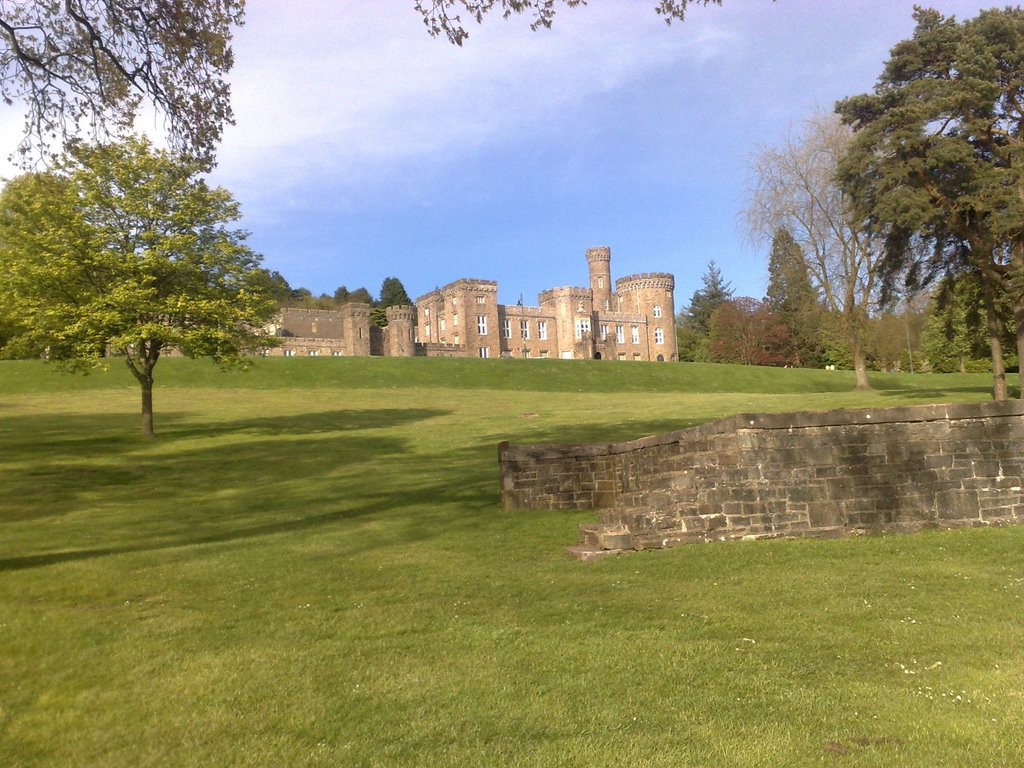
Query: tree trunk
[[141, 366], [860, 366], [1018, 318], [147, 406], [999, 391]]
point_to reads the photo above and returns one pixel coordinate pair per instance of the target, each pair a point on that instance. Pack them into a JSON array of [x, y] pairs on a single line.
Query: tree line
[[907, 201], [392, 294]]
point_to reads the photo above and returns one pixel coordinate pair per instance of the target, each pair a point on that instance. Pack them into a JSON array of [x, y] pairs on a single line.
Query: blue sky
[[365, 148]]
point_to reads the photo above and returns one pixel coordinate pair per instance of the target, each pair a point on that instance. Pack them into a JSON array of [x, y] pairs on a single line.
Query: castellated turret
[[650, 294], [355, 319], [599, 263], [399, 336]]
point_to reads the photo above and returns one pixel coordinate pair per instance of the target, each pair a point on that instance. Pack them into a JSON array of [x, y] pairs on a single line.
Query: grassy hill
[[309, 568]]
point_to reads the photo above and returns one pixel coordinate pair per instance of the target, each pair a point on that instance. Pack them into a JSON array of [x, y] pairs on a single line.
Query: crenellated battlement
[[662, 280]]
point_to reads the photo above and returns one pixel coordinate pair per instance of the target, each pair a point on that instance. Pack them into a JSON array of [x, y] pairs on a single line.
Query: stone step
[[598, 536], [586, 554]]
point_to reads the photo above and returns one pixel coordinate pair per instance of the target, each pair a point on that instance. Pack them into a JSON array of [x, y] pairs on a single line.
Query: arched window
[[657, 310], [659, 336]]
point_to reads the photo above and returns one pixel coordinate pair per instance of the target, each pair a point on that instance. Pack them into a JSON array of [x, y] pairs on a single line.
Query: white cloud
[[350, 90]]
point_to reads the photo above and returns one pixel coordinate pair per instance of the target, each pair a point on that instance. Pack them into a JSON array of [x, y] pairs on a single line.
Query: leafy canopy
[[78, 64], [443, 17], [126, 252]]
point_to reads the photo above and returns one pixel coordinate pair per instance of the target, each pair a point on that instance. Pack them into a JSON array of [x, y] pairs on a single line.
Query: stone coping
[[788, 420]]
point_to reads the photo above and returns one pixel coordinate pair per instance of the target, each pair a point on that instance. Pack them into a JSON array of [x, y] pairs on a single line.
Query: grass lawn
[[309, 567]]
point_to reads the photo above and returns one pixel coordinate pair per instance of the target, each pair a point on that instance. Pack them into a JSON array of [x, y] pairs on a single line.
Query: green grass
[[309, 568]]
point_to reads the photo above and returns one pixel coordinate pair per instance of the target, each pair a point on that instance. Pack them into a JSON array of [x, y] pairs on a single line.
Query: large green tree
[[73, 63], [444, 17], [938, 156], [955, 334], [126, 252]]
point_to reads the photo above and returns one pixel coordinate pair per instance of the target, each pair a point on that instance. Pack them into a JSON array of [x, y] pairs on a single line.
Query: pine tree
[[794, 299], [693, 323]]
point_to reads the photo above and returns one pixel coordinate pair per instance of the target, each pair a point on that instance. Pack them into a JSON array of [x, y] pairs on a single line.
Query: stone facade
[[636, 321], [344, 332], [778, 475]]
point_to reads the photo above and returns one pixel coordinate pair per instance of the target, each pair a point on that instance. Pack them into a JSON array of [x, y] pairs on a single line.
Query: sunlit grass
[[309, 568]]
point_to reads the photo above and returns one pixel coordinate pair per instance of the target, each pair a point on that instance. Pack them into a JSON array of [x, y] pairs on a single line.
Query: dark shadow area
[[310, 423], [300, 475], [379, 504]]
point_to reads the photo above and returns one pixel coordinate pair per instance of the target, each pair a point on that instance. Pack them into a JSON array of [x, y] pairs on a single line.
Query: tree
[[361, 296], [793, 186], [125, 252], [276, 287], [746, 331], [938, 158], [955, 333], [93, 62], [442, 16], [693, 322], [341, 295], [794, 300], [392, 294]]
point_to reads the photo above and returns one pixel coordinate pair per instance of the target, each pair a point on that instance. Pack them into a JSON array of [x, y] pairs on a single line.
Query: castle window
[[543, 354], [636, 357], [312, 353], [480, 300], [426, 313], [427, 331], [620, 334], [542, 330], [582, 326], [455, 320], [506, 329], [289, 352], [606, 305], [524, 329], [634, 334], [600, 281], [622, 355], [604, 331], [659, 336], [481, 324], [657, 311], [485, 352]]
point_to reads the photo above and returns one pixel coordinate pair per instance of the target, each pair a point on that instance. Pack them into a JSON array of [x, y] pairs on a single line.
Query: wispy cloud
[[322, 90]]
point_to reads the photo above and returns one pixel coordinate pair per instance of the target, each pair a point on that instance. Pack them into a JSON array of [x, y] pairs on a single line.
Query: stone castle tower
[[400, 335], [599, 263], [651, 294]]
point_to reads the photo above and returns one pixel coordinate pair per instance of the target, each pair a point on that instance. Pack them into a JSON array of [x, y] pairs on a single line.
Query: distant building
[[464, 319]]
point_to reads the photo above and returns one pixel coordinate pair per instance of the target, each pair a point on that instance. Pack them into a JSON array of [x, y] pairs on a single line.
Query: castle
[[464, 319]]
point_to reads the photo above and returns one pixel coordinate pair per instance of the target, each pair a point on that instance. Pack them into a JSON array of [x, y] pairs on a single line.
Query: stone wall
[[774, 475]]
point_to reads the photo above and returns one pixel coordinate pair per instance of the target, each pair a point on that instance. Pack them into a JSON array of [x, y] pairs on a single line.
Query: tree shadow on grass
[[285, 475], [115, 434]]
